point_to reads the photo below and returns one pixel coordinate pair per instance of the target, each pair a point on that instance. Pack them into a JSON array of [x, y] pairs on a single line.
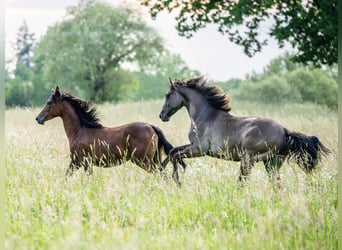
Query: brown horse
[[215, 132], [90, 142]]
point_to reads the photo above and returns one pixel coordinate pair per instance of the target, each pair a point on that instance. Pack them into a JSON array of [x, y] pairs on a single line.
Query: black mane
[[87, 114], [215, 96]]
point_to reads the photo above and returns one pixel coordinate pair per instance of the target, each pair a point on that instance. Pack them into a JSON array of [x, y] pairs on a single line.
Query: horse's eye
[[48, 103], [167, 95]]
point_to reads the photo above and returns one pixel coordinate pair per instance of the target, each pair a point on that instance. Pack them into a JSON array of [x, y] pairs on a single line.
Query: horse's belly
[[222, 152], [101, 155]]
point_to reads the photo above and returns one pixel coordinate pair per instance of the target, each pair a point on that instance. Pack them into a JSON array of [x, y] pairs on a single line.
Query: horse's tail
[[162, 143], [304, 149], [166, 145]]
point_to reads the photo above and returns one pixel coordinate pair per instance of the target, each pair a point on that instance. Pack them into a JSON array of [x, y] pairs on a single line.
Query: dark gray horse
[[215, 132]]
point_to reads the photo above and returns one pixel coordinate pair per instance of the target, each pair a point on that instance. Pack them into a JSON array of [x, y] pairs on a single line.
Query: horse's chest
[[201, 137], [197, 135], [192, 136]]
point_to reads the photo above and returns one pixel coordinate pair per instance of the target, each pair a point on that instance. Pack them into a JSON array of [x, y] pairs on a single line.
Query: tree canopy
[[90, 46], [309, 26], [153, 80]]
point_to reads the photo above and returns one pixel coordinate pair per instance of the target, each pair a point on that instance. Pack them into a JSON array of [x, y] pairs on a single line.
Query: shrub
[[18, 92], [272, 89], [315, 86]]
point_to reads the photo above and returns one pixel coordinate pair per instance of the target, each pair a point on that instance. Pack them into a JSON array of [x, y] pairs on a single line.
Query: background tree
[[314, 86], [309, 26], [24, 46], [7, 71], [153, 80], [85, 51], [20, 88]]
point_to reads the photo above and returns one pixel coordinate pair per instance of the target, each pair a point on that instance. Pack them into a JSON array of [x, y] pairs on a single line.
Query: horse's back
[[139, 135], [252, 133], [261, 134], [140, 128]]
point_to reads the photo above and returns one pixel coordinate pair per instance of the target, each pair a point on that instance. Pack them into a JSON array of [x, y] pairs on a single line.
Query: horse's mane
[[87, 114], [215, 96]]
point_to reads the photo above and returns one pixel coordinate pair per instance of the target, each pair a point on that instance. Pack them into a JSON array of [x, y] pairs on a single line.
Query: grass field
[[126, 208]]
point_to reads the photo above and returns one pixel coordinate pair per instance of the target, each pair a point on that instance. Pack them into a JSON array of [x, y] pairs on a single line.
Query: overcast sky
[[207, 51]]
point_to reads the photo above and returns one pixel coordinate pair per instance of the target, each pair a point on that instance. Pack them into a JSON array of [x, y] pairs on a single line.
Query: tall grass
[[126, 208]]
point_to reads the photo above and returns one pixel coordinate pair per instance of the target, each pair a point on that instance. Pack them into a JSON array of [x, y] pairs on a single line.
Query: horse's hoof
[[164, 176], [178, 183], [242, 180], [68, 176]]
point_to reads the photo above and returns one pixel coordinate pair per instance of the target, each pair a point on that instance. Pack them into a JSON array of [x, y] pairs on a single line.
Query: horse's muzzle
[[164, 118], [40, 119]]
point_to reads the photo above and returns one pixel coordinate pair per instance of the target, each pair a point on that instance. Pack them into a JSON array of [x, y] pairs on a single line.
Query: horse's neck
[[198, 108], [71, 121]]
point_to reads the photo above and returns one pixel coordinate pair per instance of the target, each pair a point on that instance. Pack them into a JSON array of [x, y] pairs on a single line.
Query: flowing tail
[[164, 143], [304, 149]]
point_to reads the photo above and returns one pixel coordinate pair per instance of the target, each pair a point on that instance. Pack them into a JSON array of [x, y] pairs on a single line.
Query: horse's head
[[52, 108], [173, 102]]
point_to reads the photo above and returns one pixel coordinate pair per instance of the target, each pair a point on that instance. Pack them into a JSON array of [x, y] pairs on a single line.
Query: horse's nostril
[[37, 118]]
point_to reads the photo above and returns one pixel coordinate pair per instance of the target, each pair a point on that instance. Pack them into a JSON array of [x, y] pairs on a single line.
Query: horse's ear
[[171, 83], [57, 93], [201, 79]]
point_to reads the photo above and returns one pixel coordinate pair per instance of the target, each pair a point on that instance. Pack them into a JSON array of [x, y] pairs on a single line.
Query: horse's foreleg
[[175, 151], [72, 167], [168, 157], [177, 154], [246, 165], [164, 163]]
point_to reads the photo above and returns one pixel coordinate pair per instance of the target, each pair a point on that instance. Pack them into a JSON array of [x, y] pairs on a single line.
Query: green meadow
[[124, 207]]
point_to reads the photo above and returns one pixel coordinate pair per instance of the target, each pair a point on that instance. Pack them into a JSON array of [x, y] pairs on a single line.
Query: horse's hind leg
[[150, 166], [272, 166]]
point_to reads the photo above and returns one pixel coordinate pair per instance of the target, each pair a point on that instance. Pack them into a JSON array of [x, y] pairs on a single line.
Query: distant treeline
[[283, 81]]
